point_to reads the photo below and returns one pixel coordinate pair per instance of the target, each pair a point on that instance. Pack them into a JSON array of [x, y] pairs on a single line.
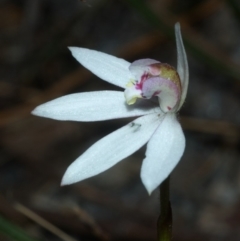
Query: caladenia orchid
[[144, 81]]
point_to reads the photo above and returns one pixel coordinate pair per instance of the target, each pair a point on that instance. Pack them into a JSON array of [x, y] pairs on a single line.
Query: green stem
[[164, 224]]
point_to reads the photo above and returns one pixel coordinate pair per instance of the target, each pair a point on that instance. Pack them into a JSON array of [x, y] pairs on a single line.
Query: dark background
[[36, 66]]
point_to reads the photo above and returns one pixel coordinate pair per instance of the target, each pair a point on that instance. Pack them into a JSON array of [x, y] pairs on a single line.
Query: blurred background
[[36, 66]]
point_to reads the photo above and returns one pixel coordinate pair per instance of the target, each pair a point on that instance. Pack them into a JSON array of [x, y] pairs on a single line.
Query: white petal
[[112, 149], [93, 106], [107, 67], [164, 151], [182, 64]]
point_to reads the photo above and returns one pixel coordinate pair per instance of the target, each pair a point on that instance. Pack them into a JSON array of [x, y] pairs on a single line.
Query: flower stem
[[164, 223]]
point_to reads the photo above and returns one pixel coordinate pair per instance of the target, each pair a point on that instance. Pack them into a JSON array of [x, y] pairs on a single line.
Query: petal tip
[[66, 180], [150, 187], [74, 50], [33, 112], [149, 191], [177, 26], [71, 48], [41, 111], [36, 112]]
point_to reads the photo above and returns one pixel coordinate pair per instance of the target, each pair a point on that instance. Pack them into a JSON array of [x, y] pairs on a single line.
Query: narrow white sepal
[[182, 64], [107, 67], [93, 106], [111, 149], [164, 151]]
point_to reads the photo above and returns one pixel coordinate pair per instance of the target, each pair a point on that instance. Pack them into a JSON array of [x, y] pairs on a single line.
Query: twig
[[42, 222]]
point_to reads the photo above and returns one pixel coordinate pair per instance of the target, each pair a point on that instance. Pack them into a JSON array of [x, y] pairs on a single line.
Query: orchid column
[[144, 81]]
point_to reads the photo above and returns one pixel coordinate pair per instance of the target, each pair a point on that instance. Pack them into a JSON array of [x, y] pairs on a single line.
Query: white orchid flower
[[158, 125]]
